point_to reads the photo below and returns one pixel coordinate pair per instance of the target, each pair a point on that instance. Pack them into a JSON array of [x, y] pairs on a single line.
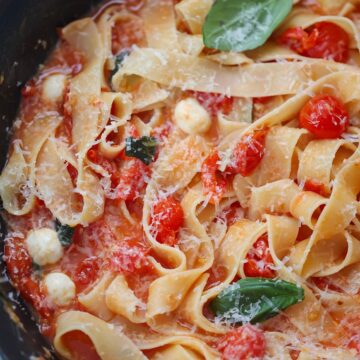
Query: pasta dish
[[183, 182]]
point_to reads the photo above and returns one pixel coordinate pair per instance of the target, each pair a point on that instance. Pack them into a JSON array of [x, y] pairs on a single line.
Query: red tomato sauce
[[80, 346]]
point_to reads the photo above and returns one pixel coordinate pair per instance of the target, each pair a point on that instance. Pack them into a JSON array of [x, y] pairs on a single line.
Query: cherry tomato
[[248, 153], [213, 182], [324, 40], [243, 343], [259, 260], [214, 103], [131, 258], [166, 220], [133, 179], [316, 187], [325, 116]]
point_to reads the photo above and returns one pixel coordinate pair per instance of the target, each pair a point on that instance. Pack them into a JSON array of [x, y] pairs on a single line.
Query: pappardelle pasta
[[183, 182]]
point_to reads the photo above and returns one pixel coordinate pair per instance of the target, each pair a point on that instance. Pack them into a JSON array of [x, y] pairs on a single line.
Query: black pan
[[27, 34]]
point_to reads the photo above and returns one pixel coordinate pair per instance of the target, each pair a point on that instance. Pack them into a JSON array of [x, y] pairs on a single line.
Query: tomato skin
[[167, 219], [248, 153], [214, 103], [243, 343], [323, 40], [259, 260], [325, 116], [213, 182]]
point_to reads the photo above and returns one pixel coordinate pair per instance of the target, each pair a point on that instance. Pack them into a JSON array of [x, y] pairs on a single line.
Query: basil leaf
[[255, 300], [65, 233], [239, 25], [119, 59], [143, 148], [36, 268]]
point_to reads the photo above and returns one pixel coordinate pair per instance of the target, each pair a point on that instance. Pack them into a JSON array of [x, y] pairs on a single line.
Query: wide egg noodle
[[309, 235]]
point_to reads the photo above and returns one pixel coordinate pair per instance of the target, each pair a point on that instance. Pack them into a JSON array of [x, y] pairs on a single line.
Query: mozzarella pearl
[[44, 246], [60, 288], [191, 117], [54, 87]]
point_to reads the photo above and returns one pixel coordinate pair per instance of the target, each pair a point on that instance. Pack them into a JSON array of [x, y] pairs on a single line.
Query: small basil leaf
[[255, 300], [240, 25], [143, 148], [36, 268], [118, 60], [65, 233]]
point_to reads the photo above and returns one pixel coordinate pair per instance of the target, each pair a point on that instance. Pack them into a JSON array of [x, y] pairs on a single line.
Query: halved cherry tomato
[[213, 181], [325, 116], [166, 220], [214, 103], [324, 40], [259, 261], [243, 343], [248, 153]]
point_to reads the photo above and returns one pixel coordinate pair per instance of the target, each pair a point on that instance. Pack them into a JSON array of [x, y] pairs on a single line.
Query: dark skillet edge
[[27, 34]]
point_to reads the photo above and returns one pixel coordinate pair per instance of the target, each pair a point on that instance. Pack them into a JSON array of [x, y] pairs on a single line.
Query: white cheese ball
[[54, 87], [191, 117], [44, 246], [60, 288]]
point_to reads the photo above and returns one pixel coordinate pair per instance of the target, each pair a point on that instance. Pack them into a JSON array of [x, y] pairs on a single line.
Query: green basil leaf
[[239, 25], [65, 233], [143, 148], [118, 60], [36, 268], [255, 300]]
